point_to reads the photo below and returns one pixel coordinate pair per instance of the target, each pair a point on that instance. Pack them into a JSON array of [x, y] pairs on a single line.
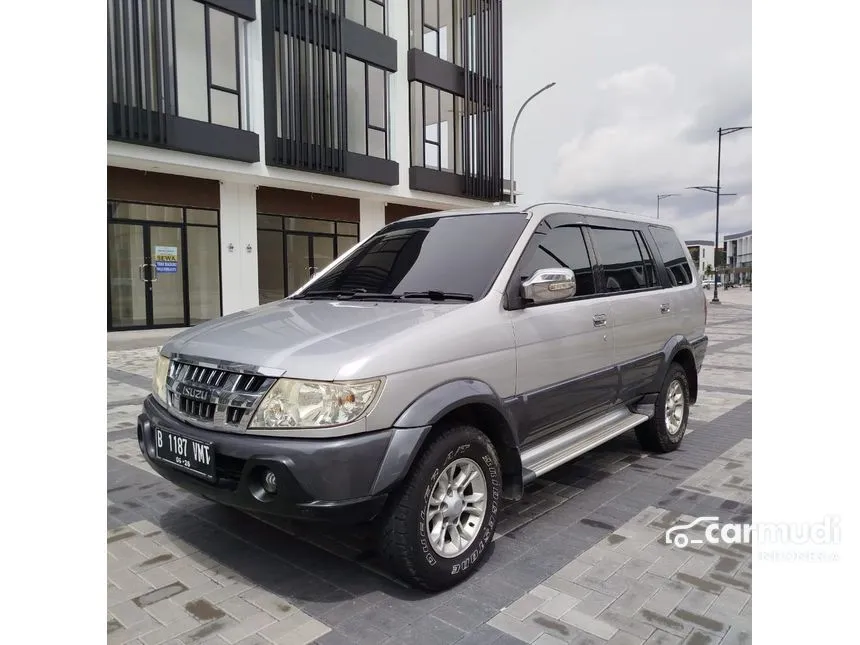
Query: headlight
[[313, 404], [159, 378]]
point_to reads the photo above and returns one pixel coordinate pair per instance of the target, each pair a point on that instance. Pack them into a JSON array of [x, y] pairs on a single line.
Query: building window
[[434, 27], [370, 13], [163, 265], [367, 109], [291, 249], [437, 119], [208, 45]]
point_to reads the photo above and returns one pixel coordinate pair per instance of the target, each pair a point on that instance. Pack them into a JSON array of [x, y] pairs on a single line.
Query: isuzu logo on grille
[[195, 393]]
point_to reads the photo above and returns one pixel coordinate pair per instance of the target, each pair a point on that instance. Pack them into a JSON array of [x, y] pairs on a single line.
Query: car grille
[[213, 397]]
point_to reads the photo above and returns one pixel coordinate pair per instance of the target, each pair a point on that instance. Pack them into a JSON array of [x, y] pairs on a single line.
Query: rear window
[[674, 256]]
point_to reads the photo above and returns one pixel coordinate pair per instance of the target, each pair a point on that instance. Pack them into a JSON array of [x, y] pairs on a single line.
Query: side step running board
[[570, 444]]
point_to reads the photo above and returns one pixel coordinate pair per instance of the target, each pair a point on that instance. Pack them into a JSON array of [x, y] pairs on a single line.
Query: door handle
[[140, 273], [665, 309], [599, 320]]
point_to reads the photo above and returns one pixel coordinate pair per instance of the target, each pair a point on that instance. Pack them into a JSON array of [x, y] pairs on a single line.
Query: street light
[[661, 197], [514, 130], [720, 134], [716, 190]]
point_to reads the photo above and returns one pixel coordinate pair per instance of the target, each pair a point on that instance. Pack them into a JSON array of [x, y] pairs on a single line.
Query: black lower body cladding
[[316, 479]]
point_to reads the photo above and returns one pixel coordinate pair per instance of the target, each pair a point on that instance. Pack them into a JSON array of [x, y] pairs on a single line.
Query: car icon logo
[[675, 535]]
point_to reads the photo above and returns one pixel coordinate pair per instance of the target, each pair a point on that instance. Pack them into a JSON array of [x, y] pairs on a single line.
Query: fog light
[[270, 482]]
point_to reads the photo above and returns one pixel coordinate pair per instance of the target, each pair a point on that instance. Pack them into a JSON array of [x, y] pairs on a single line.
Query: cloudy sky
[[642, 86]]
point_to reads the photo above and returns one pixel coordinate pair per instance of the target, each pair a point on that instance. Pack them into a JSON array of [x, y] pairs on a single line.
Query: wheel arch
[[467, 401]]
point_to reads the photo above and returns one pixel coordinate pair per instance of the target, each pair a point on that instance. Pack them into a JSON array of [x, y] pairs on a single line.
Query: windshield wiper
[[347, 294], [438, 296]]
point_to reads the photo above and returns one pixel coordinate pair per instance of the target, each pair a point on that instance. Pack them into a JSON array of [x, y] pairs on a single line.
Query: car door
[[639, 307], [563, 349]]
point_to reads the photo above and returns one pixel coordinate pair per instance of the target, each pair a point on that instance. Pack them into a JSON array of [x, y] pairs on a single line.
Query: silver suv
[[434, 370]]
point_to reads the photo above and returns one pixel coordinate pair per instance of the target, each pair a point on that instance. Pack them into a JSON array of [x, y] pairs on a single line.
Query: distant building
[[702, 252], [738, 249]]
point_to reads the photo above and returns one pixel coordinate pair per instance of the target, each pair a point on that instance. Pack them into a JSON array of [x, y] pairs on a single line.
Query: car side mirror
[[549, 285]]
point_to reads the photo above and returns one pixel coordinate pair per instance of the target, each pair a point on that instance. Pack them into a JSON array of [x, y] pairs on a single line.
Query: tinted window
[[673, 256], [624, 268], [561, 247], [460, 254], [650, 267]]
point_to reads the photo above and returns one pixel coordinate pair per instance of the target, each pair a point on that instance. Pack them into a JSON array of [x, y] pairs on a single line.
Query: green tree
[[709, 271]]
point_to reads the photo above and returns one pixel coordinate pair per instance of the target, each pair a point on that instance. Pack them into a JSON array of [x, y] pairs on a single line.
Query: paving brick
[[574, 569], [248, 626], [509, 625], [628, 624], [660, 637], [623, 638], [524, 606], [135, 631], [542, 591], [589, 624], [558, 605], [275, 632], [167, 612], [547, 639], [174, 629], [562, 585]]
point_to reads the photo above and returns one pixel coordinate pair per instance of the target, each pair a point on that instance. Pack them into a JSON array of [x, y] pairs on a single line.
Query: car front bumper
[[317, 479]]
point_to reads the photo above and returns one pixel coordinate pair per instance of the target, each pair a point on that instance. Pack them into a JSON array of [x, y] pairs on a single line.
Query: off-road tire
[[654, 434], [404, 544]]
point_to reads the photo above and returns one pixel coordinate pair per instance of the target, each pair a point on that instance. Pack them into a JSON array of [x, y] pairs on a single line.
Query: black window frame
[[182, 225], [380, 3], [458, 113], [368, 126]]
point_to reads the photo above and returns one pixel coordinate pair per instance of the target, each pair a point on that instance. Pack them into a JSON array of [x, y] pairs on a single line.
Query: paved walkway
[[580, 559]]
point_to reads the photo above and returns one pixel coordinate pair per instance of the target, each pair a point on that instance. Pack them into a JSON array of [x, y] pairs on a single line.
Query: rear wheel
[[442, 519], [665, 430]]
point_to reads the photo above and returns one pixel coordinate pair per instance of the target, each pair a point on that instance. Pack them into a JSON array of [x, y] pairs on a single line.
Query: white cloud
[[642, 89]]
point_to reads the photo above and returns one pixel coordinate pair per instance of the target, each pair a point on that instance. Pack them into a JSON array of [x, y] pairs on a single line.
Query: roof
[[541, 208], [699, 243], [735, 236]]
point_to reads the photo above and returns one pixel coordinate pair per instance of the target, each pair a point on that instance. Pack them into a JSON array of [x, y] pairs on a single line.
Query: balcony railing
[[174, 76]]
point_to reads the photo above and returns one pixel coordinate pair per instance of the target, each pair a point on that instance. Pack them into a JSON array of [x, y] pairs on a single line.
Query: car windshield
[[452, 259]]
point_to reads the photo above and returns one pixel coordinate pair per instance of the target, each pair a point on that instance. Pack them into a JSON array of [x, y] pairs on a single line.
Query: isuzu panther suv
[[435, 369]]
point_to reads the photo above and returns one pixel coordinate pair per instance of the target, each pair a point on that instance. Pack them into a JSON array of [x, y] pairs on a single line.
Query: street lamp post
[[662, 197], [718, 192], [513, 132]]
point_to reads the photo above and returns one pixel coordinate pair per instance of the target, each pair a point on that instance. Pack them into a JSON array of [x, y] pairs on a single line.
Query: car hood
[[310, 339]]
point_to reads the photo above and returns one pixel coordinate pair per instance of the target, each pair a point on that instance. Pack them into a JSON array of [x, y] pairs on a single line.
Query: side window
[[650, 268], [561, 247], [619, 252], [673, 256]]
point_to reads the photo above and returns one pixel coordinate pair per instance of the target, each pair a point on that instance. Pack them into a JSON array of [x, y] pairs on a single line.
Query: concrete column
[[371, 217], [239, 287], [398, 90], [255, 106]]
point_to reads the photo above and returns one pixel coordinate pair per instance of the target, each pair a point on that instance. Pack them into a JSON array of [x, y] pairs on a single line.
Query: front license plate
[[197, 457]]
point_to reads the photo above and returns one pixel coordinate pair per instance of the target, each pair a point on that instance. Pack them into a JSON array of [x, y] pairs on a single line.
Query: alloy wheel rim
[[675, 405], [456, 508]]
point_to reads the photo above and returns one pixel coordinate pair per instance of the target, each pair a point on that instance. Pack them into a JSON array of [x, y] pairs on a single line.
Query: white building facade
[[251, 142], [702, 252], [738, 248]]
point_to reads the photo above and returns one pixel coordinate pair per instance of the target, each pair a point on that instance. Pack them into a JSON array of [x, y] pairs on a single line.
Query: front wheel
[[665, 430], [442, 519]]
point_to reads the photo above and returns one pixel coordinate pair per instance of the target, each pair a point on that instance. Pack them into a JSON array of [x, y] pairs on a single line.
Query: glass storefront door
[[163, 266], [292, 249], [146, 276]]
